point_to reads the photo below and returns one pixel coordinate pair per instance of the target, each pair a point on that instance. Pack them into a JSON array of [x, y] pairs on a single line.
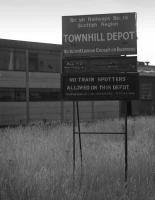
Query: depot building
[[30, 87]]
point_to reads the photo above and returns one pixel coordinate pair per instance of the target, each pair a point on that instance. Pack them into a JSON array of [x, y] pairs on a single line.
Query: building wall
[[146, 103], [12, 113], [44, 101], [44, 87]]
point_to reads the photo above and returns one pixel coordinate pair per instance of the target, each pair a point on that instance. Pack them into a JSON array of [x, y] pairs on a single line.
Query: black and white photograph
[[77, 100]]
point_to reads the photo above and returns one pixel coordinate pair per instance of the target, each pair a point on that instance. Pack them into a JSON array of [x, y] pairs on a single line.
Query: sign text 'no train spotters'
[[98, 35]]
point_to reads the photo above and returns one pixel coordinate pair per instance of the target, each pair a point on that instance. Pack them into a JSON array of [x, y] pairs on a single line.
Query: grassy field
[[36, 162]]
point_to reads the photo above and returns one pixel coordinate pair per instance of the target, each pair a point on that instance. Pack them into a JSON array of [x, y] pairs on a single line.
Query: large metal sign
[[99, 35], [93, 65], [108, 86]]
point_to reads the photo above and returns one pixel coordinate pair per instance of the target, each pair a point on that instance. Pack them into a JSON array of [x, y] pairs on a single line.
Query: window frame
[[45, 92]]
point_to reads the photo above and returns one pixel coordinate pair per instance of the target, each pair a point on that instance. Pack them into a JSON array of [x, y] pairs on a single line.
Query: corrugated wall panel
[[84, 110], [44, 80], [12, 113], [12, 79], [45, 110], [15, 112], [104, 109], [16, 79]]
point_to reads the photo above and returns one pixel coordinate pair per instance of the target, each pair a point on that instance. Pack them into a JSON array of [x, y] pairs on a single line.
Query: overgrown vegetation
[[36, 162]]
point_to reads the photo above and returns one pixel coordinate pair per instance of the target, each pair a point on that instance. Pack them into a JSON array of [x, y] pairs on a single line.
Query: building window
[[12, 60], [33, 62], [5, 60], [49, 63], [146, 91], [19, 60], [7, 94], [41, 94], [20, 94], [12, 94], [36, 94], [15, 59]]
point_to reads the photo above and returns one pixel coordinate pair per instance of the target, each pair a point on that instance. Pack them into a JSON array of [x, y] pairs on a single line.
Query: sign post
[[96, 66], [126, 143]]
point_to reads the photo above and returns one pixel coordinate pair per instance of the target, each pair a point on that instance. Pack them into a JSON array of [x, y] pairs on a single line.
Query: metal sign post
[[79, 131], [125, 133], [73, 137], [126, 143], [76, 110]]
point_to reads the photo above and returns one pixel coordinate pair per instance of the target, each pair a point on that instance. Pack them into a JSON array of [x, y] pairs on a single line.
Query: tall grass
[[36, 162]]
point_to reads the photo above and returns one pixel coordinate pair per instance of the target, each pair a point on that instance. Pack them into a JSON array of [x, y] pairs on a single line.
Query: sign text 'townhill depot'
[[98, 35]]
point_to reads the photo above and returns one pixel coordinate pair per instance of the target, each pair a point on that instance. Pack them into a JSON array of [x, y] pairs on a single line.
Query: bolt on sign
[[99, 35]]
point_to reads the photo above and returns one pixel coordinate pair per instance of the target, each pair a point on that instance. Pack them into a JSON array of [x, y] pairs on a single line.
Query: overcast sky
[[41, 20]]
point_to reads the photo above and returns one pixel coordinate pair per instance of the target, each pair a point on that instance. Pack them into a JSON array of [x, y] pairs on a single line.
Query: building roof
[[146, 69], [5, 43], [147, 73]]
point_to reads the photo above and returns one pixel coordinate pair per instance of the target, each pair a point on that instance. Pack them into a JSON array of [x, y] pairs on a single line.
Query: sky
[[41, 20]]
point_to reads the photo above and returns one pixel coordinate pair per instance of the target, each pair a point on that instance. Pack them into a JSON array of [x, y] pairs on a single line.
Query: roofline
[[147, 73], [8, 43]]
